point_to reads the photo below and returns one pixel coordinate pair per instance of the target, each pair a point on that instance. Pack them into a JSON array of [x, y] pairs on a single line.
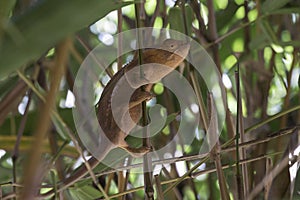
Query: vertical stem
[[19, 136], [238, 175], [242, 136], [182, 6], [215, 151], [147, 167], [212, 27]]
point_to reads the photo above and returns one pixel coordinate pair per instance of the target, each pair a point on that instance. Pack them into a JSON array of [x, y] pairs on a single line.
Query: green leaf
[[60, 126], [294, 43], [224, 17], [5, 8], [65, 114], [85, 192], [7, 84], [284, 11], [31, 34], [266, 38], [268, 31], [271, 5], [177, 21], [7, 143]]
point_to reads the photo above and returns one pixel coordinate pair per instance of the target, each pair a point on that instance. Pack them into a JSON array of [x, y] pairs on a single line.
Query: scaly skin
[[171, 53]]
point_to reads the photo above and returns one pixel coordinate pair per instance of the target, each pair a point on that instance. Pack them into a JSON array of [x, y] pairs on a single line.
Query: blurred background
[[255, 46]]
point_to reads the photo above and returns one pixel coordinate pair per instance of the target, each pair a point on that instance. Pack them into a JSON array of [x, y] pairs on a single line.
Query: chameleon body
[[159, 62]]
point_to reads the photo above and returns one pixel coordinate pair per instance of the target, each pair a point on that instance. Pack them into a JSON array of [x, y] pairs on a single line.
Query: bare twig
[[96, 59], [12, 99], [237, 137], [18, 140], [270, 176], [215, 151]]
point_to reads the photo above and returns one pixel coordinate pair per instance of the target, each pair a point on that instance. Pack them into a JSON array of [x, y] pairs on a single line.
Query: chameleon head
[[172, 52], [179, 47]]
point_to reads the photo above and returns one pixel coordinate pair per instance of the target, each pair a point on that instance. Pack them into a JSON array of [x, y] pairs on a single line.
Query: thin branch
[[237, 137], [147, 161], [193, 175], [98, 61], [276, 116], [18, 140], [270, 176]]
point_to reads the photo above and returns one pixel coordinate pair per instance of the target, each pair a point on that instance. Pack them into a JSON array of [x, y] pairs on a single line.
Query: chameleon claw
[[138, 152]]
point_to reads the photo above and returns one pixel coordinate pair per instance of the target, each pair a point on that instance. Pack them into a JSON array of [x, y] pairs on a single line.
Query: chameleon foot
[[137, 152]]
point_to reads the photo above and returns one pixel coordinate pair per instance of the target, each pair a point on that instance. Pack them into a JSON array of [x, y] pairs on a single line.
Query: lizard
[[158, 62]]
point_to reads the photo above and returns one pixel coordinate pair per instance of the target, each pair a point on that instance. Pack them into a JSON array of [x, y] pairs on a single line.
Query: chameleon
[[159, 62]]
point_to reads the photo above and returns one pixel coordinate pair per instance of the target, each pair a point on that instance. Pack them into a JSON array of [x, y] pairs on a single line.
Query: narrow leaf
[[31, 34], [271, 5]]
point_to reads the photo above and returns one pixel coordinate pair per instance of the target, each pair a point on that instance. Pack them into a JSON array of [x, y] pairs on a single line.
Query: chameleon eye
[[172, 46]]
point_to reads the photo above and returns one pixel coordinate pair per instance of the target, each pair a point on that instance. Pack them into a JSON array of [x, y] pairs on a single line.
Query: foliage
[[254, 43]]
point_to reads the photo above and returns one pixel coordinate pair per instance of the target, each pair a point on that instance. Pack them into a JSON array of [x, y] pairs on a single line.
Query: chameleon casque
[[158, 62]]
